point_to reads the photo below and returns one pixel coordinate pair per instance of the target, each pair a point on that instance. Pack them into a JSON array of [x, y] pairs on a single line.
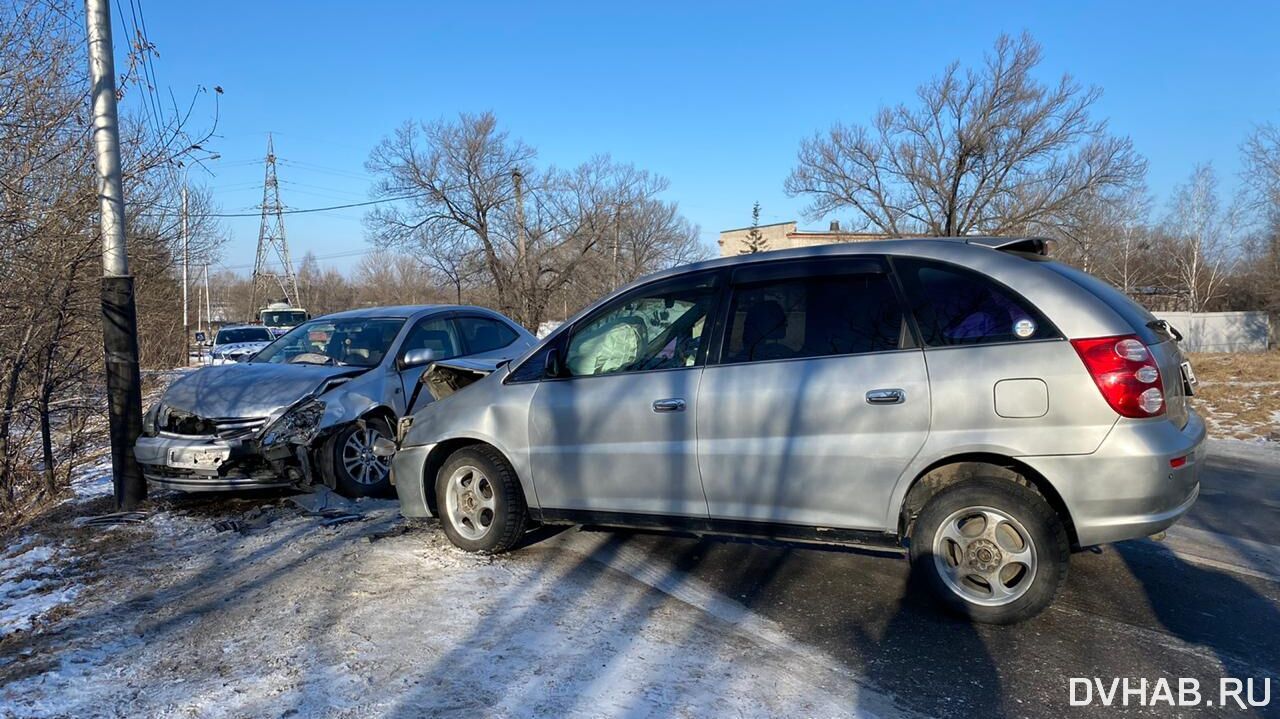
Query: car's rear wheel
[[357, 470], [480, 502], [991, 550]]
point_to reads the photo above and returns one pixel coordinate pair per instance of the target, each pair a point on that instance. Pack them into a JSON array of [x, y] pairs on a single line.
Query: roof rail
[[1032, 245]]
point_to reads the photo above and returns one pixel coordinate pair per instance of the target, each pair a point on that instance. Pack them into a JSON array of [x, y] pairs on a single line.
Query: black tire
[[346, 482], [493, 482], [958, 505]]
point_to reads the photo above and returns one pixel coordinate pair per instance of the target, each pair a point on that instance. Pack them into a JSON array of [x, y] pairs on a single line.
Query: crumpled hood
[[248, 389]]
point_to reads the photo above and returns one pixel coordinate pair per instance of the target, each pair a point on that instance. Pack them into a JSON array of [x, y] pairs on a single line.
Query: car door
[[817, 398], [614, 431], [438, 332]]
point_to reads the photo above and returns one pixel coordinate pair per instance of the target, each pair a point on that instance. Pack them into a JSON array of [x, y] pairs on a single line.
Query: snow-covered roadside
[[286, 617], [30, 586]]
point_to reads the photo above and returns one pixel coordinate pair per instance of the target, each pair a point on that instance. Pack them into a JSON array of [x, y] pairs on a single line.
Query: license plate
[[198, 457], [1189, 378]]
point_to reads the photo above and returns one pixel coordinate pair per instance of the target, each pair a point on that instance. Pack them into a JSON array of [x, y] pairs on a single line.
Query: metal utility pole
[[266, 280], [617, 243], [119, 316], [186, 318], [200, 301], [208, 306], [521, 248]]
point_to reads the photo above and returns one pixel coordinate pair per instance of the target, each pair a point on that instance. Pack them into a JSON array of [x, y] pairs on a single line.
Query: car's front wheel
[[357, 470], [991, 550], [480, 502]]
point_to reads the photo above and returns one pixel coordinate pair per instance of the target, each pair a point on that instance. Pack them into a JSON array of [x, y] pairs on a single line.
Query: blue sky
[[714, 96]]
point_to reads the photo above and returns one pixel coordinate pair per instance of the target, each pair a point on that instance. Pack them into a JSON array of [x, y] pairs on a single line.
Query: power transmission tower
[[268, 281]]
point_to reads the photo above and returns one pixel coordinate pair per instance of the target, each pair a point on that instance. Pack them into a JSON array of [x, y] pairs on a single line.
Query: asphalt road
[[1203, 604]]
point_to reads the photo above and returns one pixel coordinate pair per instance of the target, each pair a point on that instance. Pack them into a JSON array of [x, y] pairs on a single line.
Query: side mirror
[[418, 357], [553, 367]]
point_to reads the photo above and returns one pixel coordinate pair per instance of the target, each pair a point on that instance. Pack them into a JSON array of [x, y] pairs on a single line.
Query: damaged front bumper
[[245, 453], [199, 464], [209, 464]]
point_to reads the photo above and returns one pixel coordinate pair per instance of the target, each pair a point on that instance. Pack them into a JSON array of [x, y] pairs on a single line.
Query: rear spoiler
[[1029, 245]]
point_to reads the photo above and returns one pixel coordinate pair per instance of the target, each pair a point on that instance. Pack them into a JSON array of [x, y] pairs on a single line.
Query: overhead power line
[[304, 210], [333, 256]]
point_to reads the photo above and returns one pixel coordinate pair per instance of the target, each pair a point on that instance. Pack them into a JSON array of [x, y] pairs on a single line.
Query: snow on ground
[[30, 586], [282, 616]]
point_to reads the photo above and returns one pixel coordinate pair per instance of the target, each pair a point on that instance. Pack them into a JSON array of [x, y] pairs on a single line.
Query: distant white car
[[238, 343]]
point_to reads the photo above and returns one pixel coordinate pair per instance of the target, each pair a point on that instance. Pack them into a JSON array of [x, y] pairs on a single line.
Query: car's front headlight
[[150, 420], [298, 425]]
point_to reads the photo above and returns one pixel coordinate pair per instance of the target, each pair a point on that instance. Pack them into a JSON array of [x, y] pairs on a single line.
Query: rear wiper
[[1166, 327]]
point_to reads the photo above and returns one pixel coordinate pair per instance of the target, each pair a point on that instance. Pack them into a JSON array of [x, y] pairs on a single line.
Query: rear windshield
[[1144, 324]]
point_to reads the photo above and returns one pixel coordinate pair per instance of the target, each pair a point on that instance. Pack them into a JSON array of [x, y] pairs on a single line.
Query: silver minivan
[[969, 401]]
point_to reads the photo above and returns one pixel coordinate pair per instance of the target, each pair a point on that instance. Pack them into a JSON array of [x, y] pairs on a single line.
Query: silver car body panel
[[597, 444], [796, 442], [259, 390], [1128, 488]]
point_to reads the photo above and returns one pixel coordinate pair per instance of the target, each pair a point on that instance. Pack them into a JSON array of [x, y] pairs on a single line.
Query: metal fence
[[1221, 331]]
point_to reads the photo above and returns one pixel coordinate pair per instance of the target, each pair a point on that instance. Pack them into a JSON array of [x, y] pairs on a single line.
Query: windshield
[[243, 334], [283, 318], [352, 342]]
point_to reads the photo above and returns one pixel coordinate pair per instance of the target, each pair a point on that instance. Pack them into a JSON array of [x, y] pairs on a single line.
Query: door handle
[[674, 404], [886, 396]]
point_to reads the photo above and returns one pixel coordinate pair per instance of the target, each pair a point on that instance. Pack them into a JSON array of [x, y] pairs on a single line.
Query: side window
[[483, 334], [661, 326], [956, 306], [812, 317], [436, 333]]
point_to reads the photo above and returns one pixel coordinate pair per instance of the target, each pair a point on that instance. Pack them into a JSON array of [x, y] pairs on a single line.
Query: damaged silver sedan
[[313, 406]]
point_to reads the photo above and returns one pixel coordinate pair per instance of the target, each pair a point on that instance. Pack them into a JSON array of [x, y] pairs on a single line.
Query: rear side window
[[812, 317], [955, 306], [434, 333], [483, 334]]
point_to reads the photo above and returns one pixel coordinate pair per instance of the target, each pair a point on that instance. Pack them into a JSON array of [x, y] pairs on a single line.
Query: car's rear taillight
[[1125, 372]]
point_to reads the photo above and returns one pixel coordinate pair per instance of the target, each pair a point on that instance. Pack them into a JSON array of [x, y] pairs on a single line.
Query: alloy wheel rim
[[985, 556], [359, 459], [470, 502]]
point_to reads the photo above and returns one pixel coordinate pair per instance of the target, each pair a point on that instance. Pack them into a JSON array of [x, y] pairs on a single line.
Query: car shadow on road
[[1209, 608], [905, 656]]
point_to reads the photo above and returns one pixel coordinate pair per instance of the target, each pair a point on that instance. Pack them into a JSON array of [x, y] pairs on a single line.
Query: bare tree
[[451, 175], [1261, 156], [989, 150], [1203, 233], [1111, 237], [1261, 174], [471, 197]]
